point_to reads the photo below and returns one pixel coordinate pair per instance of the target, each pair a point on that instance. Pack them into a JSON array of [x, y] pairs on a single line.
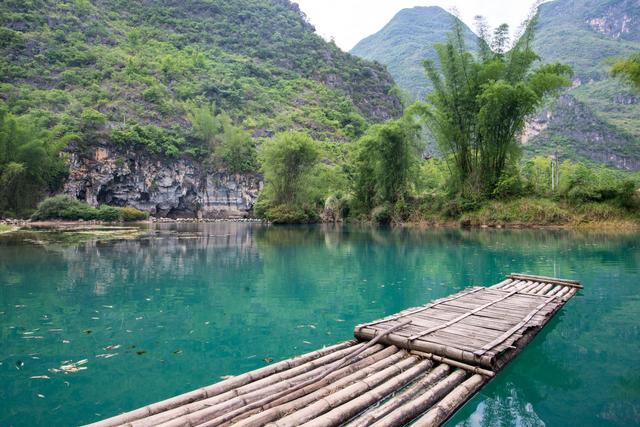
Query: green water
[[189, 307]]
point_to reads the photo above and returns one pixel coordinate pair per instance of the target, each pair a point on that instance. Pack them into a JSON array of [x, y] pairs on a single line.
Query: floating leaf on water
[[267, 360], [40, 377], [41, 396]]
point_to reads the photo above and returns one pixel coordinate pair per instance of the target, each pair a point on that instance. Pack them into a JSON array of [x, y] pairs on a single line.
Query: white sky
[[349, 21]]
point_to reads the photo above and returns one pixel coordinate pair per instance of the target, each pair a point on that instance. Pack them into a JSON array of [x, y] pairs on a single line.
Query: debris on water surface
[[41, 396], [306, 342], [107, 306], [65, 341], [87, 331], [67, 367], [268, 359], [226, 377], [140, 318], [106, 355], [95, 318], [55, 330], [340, 320], [141, 352], [40, 377], [19, 364], [112, 347], [178, 351]]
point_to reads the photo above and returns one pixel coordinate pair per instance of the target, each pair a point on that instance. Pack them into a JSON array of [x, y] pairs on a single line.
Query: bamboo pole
[[218, 414], [326, 404], [420, 404], [502, 284], [448, 405], [220, 387], [254, 390], [278, 409], [347, 410], [457, 364], [411, 392], [457, 319], [409, 312], [546, 289], [515, 328], [546, 279]]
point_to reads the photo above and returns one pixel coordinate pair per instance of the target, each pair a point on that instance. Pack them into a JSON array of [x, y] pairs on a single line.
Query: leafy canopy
[[479, 105], [629, 70]]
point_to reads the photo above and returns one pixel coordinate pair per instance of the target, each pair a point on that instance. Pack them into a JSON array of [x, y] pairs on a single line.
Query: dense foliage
[[68, 208], [385, 167], [30, 161], [629, 70], [598, 117], [258, 60], [479, 106]]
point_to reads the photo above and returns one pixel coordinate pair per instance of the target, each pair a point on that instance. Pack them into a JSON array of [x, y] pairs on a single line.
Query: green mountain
[[406, 41], [149, 62], [598, 119]]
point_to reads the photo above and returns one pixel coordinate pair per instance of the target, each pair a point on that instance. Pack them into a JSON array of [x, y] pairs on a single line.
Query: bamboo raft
[[419, 365]]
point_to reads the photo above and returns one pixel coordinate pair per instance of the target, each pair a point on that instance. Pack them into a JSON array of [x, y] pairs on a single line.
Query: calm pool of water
[[188, 305]]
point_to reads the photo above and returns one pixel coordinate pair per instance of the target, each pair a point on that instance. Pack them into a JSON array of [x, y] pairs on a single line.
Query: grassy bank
[[538, 212]]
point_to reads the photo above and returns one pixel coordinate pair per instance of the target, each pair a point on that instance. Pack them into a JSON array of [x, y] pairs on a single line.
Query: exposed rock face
[[571, 128], [178, 188]]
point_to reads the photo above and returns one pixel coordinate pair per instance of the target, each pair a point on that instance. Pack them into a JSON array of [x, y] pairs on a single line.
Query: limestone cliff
[[176, 188]]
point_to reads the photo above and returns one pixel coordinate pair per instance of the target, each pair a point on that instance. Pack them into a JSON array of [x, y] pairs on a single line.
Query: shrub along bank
[[70, 209]]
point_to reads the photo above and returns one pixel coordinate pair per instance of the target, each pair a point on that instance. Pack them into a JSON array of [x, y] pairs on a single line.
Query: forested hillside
[[156, 62], [197, 82], [596, 120], [603, 121]]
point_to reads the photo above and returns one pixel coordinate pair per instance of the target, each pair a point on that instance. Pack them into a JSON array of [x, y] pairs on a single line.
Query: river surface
[[186, 305]]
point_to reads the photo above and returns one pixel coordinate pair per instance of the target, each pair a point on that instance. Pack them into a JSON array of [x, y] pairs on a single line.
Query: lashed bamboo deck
[[422, 363]]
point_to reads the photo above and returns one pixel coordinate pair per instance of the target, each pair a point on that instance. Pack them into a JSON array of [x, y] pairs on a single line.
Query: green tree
[[385, 163], [286, 161], [629, 70], [235, 147], [479, 105], [30, 163]]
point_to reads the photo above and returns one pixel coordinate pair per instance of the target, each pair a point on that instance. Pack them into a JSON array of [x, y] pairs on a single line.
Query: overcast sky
[[349, 21]]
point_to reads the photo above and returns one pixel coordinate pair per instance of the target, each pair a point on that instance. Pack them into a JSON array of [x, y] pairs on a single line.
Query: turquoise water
[[211, 300]]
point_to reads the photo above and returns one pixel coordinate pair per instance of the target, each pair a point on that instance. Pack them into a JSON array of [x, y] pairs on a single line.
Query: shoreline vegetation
[[380, 174]]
